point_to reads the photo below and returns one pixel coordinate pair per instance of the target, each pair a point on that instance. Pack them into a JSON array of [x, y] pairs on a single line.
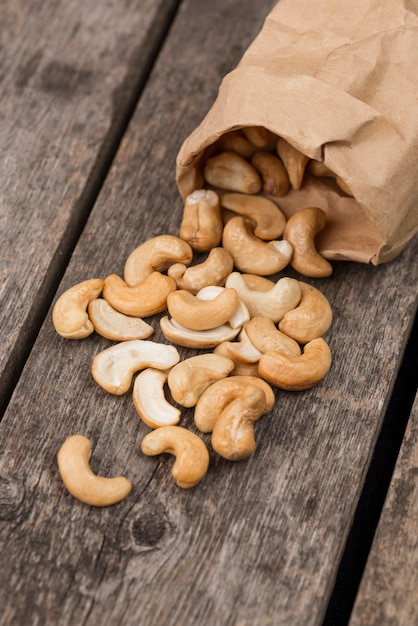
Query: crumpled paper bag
[[338, 80]]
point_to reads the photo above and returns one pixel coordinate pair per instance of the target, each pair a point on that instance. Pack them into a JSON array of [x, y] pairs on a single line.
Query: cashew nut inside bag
[[339, 82]]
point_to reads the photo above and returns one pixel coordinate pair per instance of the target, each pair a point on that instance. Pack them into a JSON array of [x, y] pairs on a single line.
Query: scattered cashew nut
[[114, 367], [182, 336], [301, 230], [213, 271], [310, 319], [144, 299], [273, 173], [192, 455], [284, 296], [150, 401], [198, 314], [116, 326], [265, 336], [69, 315], [296, 373], [73, 464], [188, 379], [252, 255], [294, 161], [155, 254], [202, 222]]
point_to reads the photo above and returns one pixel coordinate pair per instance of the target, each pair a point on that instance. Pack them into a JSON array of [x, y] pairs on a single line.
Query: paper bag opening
[[339, 85]]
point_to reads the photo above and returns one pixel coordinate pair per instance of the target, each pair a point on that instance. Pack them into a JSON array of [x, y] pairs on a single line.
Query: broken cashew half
[[251, 254], [150, 401], [69, 315], [73, 464], [301, 230], [192, 455], [156, 254], [296, 373], [114, 367]]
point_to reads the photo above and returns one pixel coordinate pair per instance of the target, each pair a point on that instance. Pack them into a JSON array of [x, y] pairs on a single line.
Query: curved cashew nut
[[265, 336], [198, 314], [155, 254], [284, 296], [145, 299], [296, 373], [241, 314], [213, 271], [236, 141], [116, 326], [233, 433], [202, 223], [192, 455], [318, 168], [216, 397], [69, 315], [300, 231], [252, 255], [114, 367], [273, 173], [229, 170], [182, 336], [310, 319], [73, 464], [294, 161], [241, 351], [150, 401], [269, 219], [188, 379]]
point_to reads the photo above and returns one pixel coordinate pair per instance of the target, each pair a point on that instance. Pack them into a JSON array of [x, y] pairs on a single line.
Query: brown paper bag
[[339, 81]]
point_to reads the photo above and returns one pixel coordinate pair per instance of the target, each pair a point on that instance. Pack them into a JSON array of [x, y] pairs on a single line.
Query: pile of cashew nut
[[255, 333]]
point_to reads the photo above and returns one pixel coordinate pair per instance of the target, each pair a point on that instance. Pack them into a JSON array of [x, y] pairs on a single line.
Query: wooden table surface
[[95, 101]]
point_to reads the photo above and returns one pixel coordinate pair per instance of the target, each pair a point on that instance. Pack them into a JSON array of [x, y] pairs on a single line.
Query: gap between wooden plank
[[77, 222], [375, 489]]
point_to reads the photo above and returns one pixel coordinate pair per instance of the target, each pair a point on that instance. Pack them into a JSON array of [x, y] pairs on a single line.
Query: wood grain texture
[[257, 542], [69, 73], [388, 591]]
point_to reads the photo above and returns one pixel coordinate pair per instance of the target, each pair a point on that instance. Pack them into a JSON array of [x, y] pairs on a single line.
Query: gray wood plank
[[257, 542], [70, 73], [388, 591]]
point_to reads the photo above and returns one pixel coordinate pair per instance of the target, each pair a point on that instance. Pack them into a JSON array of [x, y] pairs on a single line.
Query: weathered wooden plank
[[388, 591], [70, 73], [257, 542]]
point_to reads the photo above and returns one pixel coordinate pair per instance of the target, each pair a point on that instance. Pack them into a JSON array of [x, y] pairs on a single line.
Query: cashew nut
[[241, 351], [113, 325], [295, 373], [310, 319], [284, 296], [241, 314], [229, 170], [265, 336], [260, 137], [114, 367], [182, 336], [252, 255], [294, 162], [73, 464], [192, 455], [198, 314], [188, 379], [273, 173], [216, 397], [155, 254], [69, 315], [318, 168], [233, 432], [269, 219], [259, 283], [235, 141], [150, 401], [301, 230], [144, 299], [202, 222], [213, 271]]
